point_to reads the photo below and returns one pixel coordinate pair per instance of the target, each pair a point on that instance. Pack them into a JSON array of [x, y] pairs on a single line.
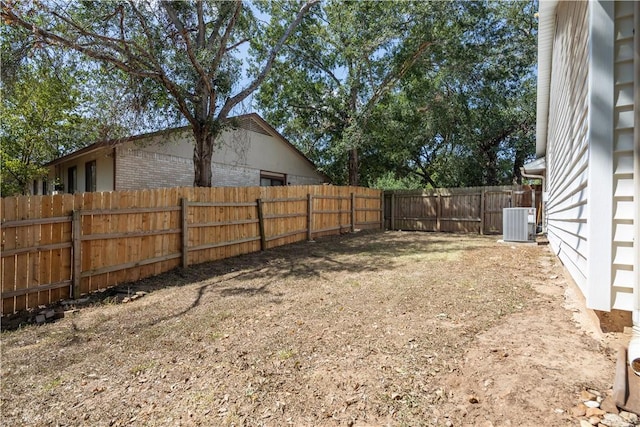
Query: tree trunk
[[202, 155], [491, 169], [517, 164], [353, 167]]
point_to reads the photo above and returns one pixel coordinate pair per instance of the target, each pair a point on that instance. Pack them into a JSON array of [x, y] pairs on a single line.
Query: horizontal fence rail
[[62, 246], [464, 210]]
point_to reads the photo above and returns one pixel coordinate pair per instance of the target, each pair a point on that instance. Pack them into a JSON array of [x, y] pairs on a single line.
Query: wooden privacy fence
[[465, 210], [56, 247]]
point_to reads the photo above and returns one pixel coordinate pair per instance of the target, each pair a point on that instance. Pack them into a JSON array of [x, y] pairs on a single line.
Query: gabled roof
[[546, 33], [110, 143], [252, 122]]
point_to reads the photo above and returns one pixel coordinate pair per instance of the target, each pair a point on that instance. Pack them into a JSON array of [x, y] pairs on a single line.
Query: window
[[90, 176], [45, 187], [35, 187], [272, 179], [72, 181]]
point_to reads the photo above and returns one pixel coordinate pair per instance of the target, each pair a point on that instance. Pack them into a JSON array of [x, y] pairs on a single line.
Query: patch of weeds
[[250, 393], [223, 315], [141, 368], [54, 383], [286, 354], [411, 401], [215, 335], [205, 398], [110, 300]]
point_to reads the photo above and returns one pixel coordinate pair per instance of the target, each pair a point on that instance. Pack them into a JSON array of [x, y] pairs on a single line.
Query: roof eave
[[265, 125], [110, 143], [535, 167], [546, 34]]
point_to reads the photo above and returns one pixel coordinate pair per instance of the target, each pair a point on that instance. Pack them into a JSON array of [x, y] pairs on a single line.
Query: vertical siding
[[567, 149], [624, 205]]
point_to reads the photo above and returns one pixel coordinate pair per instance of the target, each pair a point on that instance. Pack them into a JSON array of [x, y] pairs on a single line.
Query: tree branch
[[225, 37], [215, 32], [396, 75], [201, 26], [316, 63], [204, 76], [173, 17], [49, 37], [235, 45], [232, 102]]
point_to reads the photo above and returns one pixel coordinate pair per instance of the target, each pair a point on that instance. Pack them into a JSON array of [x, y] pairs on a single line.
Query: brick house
[[251, 154]]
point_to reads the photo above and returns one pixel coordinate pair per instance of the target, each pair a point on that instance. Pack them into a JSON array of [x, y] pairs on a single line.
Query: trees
[[336, 69], [436, 92], [41, 111], [37, 118], [468, 120], [439, 91], [179, 55]]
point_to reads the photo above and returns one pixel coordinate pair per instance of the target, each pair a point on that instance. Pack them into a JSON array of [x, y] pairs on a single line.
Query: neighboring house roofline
[[273, 132], [110, 143], [546, 34], [258, 120]]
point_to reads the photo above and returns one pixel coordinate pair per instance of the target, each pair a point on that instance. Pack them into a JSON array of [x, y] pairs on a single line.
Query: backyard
[[370, 328]]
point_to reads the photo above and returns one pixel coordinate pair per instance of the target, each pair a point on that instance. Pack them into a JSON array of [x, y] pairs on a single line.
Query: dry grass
[[365, 329]]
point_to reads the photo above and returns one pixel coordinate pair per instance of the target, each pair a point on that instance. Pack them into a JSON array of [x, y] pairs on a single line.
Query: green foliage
[[176, 58], [345, 57], [391, 181], [40, 121], [468, 120], [459, 112], [378, 93]]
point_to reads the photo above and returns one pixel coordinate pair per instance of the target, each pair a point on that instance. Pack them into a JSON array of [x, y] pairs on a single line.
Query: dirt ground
[[393, 328]]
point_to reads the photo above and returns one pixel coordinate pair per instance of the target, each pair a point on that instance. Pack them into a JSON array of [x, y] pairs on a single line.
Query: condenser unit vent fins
[[519, 224]]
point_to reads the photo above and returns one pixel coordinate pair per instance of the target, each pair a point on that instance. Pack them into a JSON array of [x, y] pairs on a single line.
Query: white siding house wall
[[636, 168], [567, 140], [624, 205], [588, 129]]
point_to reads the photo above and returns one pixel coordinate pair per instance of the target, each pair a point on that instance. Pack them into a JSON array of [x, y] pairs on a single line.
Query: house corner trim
[[601, 133]]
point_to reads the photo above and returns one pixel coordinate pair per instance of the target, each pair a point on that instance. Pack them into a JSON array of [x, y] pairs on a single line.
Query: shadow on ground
[[308, 260]]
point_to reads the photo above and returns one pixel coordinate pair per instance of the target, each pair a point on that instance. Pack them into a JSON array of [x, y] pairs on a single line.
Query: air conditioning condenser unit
[[519, 224]]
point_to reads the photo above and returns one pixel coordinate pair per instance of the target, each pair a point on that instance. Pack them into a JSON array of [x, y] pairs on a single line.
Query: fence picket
[[110, 238], [467, 210]]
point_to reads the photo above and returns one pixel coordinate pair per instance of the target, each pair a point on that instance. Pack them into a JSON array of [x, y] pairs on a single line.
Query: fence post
[[185, 232], [392, 223], [263, 239], [382, 210], [438, 210], [309, 217], [353, 212], [76, 226], [482, 192]]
